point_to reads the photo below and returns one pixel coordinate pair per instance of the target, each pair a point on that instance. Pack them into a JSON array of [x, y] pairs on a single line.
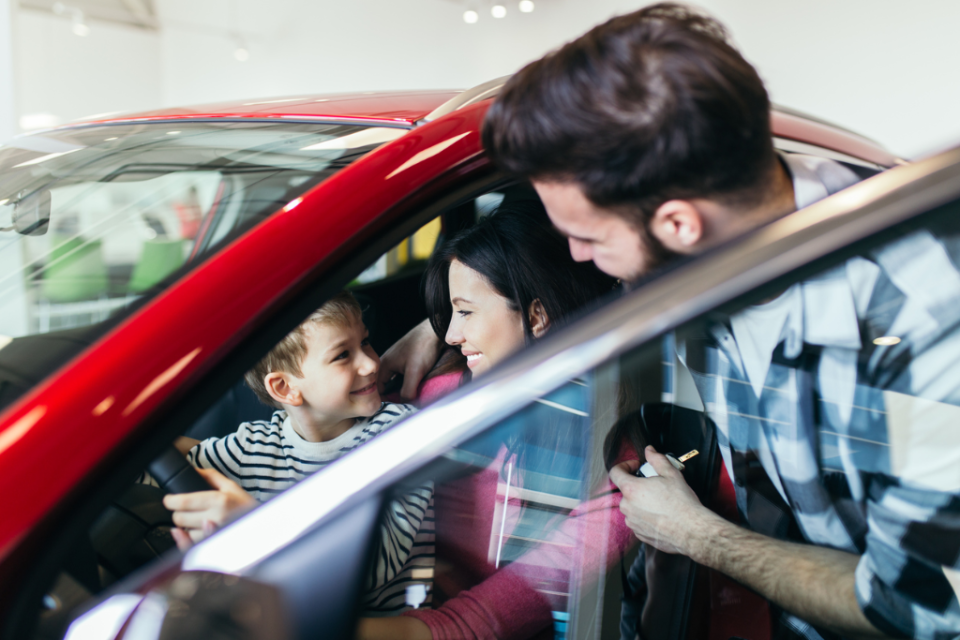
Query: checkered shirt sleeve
[[841, 469]]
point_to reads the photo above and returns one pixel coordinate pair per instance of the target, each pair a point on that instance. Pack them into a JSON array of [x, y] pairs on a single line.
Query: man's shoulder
[[829, 175]]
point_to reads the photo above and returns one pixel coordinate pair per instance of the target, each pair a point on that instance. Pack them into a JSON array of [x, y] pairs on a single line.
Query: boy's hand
[[412, 356], [199, 514]]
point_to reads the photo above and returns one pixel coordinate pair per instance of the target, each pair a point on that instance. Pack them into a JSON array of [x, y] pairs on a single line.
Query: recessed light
[[498, 11], [471, 17]]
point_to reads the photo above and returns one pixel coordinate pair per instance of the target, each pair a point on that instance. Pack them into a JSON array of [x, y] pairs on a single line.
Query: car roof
[[386, 107]]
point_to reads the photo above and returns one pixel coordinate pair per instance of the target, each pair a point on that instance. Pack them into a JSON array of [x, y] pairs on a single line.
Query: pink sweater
[[473, 599]]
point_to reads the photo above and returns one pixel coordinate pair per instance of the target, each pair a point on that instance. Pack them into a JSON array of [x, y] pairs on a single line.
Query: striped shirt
[[266, 458]]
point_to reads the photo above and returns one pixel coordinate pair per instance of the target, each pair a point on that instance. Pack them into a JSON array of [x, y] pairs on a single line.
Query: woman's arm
[[412, 356], [506, 605]]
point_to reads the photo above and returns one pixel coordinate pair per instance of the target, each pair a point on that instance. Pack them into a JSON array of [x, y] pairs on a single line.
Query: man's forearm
[[814, 583]]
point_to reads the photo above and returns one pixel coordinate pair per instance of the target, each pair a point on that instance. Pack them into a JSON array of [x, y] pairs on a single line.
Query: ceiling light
[[80, 29], [241, 54], [498, 11], [526, 6], [471, 16]]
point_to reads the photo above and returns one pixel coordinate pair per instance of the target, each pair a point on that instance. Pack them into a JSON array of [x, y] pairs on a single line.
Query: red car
[[149, 260]]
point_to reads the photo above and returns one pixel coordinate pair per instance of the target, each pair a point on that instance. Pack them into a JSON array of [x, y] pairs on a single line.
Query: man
[[648, 138]]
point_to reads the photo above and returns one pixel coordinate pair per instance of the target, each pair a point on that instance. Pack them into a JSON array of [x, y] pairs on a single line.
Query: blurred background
[[885, 69]]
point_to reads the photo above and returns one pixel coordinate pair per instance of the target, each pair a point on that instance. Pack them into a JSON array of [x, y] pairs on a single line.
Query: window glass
[[820, 410], [835, 399], [91, 218], [95, 218]]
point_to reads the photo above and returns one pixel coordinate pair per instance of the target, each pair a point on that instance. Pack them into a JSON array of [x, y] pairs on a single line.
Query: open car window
[[134, 531]]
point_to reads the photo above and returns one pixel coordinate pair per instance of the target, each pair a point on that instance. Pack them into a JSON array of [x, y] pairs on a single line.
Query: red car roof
[[403, 107]]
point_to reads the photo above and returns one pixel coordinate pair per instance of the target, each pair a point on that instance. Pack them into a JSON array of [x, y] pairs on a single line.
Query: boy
[[323, 379]]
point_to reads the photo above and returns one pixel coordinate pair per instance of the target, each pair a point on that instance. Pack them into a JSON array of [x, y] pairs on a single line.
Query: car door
[[205, 323], [547, 534]]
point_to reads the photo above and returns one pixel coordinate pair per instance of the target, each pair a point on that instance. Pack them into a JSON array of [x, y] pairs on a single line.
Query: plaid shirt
[[861, 441]]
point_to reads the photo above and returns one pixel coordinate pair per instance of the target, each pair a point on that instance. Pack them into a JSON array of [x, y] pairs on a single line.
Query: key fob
[[646, 470]]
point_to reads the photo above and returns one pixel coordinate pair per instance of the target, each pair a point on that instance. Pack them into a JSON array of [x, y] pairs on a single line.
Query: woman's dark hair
[[521, 255], [650, 106]]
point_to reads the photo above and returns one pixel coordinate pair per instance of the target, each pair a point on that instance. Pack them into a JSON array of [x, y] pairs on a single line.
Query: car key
[[647, 470]]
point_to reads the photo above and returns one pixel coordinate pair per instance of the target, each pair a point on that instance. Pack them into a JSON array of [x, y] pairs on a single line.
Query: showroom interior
[[374, 320]]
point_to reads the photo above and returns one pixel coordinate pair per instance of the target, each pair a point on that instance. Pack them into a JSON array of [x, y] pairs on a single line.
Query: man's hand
[[412, 357], [815, 583], [199, 514], [662, 511]]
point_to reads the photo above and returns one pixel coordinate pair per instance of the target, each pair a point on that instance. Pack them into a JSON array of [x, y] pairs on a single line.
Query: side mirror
[[31, 215]]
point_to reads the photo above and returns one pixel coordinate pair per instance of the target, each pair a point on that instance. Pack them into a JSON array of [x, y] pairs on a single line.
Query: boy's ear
[[538, 319], [279, 387]]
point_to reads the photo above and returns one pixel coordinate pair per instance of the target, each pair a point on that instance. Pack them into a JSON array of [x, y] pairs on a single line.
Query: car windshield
[[95, 219]]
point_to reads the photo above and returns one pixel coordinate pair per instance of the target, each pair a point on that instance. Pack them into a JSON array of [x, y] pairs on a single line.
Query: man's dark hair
[[650, 106], [519, 253]]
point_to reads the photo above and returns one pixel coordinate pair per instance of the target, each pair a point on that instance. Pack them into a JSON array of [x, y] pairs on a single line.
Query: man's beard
[[655, 256]]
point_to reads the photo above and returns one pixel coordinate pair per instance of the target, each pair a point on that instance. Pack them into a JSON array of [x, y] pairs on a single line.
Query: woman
[[496, 287], [519, 268]]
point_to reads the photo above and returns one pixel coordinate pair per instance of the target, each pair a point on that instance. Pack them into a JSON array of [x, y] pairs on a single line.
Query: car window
[[135, 531], [95, 219], [819, 409]]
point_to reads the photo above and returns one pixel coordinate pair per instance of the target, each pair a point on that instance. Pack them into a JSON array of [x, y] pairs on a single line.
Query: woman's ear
[[538, 319], [280, 389]]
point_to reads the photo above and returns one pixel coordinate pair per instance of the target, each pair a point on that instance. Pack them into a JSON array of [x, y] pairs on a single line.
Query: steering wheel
[[174, 474], [135, 528]]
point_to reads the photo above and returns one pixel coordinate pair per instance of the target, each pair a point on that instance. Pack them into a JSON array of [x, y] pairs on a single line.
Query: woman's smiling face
[[483, 325]]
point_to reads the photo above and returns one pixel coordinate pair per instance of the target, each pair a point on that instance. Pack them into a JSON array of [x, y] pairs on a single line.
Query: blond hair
[[287, 356]]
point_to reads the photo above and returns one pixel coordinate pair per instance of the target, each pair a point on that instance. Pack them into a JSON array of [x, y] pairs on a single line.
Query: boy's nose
[[368, 365]]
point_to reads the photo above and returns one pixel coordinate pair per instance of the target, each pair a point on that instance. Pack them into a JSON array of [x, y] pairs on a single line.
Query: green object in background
[[159, 259], [75, 272]]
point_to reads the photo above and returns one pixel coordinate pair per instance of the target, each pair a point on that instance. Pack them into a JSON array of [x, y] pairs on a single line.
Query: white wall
[[884, 68], [114, 68]]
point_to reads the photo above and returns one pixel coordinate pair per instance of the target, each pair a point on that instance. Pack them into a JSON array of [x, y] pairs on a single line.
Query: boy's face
[[339, 373]]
